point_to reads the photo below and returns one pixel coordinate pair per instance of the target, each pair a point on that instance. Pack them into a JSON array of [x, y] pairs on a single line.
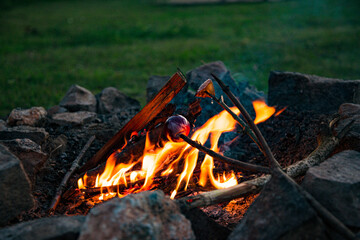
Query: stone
[[309, 92], [2, 125], [64, 227], [335, 183], [146, 215], [155, 83], [15, 194], [38, 135], [78, 99], [280, 212], [204, 227], [348, 112], [56, 109], [73, 118], [29, 153], [111, 100], [31, 117]]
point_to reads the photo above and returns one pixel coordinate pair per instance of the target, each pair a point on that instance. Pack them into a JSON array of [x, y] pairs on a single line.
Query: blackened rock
[[78, 99], [280, 212], [155, 83], [73, 118], [204, 227], [146, 215], [335, 183], [64, 227], [348, 113], [308, 92], [111, 100], [29, 153], [38, 135], [15, 195], [31, 117]]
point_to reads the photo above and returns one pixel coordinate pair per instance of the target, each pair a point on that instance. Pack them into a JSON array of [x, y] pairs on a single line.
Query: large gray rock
[[29, 153], [73, 118], [146, 215], [78, 99], [31, 117], [38, 135], [52, 228], [335, 183], [312, 93], [15, 195], [348, 113], [280, 212], [111, 100]]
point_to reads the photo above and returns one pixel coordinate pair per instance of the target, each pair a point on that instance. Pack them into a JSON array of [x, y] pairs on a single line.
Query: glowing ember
[[166, 160]]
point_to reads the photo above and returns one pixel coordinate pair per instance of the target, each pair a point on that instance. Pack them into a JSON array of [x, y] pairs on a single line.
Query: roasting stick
[[276, 169], [71, 171]]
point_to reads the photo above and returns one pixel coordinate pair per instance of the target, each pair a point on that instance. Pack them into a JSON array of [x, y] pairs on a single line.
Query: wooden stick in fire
[[207, 90], [71, 171], [139, 121], [327, 217]]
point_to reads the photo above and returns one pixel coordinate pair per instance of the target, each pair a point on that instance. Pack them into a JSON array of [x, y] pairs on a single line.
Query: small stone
[[15, 195], [30, 117], [38, 135], [335, 183], [348, 113], [56, 109], [310, 93], [78, 99], [280, 212], [64, 227], [29, 153], [143, 216], [111, 100], [73, 118]]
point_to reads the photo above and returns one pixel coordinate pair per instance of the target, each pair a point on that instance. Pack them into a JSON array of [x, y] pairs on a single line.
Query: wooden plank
[[139, 121]]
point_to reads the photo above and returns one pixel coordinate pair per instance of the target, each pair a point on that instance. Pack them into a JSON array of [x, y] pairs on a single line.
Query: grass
[[46, 46]]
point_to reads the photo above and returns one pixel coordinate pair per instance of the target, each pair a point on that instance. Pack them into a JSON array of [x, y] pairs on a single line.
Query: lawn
[[46, 46]]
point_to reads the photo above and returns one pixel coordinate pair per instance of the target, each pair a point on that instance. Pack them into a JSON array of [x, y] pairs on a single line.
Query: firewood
[[139, 121], [71, 171]]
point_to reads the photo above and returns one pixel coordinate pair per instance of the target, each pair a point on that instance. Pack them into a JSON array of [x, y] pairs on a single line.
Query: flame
[[263, 111], [165, 161]]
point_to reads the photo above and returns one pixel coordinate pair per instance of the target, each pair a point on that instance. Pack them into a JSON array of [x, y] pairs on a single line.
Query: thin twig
[[234, 162], [74, 166], [241, 122], [264, 146]]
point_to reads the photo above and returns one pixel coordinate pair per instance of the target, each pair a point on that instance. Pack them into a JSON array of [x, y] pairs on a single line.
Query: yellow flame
[[262, 110]]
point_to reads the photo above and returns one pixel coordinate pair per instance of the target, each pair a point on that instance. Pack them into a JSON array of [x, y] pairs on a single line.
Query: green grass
[[47, 46]]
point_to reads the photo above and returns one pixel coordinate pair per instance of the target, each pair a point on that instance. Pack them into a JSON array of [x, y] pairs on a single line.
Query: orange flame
[[163, 161]]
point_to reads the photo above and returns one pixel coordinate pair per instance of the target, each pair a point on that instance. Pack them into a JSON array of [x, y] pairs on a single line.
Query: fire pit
[[218, 163]]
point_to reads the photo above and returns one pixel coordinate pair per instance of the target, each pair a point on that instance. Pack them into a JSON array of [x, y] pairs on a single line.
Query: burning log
[[140, 120]]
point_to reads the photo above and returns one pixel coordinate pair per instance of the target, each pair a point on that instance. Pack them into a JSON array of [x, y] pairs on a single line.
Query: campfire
[[164, 148], [168, 162]]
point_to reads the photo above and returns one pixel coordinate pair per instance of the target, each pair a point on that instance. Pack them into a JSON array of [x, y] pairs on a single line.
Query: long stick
[[139, 121], [264, 146], [320, 154], [234, 162], [72, 169]]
